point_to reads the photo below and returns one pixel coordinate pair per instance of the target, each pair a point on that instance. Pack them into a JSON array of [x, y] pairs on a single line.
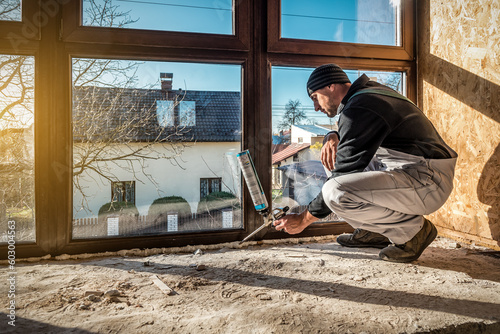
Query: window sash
[[275, 43], [74, 31]]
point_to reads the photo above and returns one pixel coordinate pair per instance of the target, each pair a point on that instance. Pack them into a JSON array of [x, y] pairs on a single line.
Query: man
[[389, 167]]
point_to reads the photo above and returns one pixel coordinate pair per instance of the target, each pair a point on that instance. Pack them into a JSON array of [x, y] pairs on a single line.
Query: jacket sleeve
[[361, 133]]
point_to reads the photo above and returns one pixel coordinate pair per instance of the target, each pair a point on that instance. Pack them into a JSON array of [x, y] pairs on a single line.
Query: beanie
[[325, 75]]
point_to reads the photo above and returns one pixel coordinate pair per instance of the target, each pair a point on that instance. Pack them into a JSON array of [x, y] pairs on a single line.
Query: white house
[[308, 134], [203, 128]]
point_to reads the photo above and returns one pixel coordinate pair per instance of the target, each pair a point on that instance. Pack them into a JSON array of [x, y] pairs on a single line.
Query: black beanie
[[325, 75]]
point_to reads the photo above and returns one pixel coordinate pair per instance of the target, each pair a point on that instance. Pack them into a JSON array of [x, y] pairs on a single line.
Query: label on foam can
[[252, 180]]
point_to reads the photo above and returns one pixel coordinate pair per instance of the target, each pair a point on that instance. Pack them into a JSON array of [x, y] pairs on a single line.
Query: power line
[[175, 5], [335, 18], [231, 9]]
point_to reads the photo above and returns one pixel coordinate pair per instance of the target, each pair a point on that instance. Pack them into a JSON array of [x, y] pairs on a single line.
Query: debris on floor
[[301, 287]]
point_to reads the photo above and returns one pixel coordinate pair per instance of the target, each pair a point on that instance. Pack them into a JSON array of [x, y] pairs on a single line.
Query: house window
[[210, 185], [187, 113], [123, 191], [165, 113], [300, 140]]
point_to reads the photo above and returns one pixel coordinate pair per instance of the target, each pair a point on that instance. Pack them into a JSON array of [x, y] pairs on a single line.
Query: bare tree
[[117, 128], [103, 13], [293, 114], [16, 139], [115, 123]]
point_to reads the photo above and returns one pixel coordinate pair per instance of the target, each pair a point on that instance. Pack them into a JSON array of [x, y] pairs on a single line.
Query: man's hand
[[295, 223], [329, 151]]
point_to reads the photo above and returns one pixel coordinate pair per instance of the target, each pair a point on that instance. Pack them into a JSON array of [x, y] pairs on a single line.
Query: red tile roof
[[291, 150]]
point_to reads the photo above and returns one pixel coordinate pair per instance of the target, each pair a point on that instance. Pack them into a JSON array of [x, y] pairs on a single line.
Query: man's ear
[[330, 88]]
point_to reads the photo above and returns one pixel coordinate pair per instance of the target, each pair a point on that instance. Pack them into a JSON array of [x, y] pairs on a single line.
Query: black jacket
[[369, 121]]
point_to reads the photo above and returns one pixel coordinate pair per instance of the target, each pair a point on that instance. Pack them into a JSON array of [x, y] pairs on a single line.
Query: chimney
[[166, 81]]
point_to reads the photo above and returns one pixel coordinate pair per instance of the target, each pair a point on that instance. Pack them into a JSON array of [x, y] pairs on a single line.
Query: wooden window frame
[[74, 31], [275, 43], [19, 33]]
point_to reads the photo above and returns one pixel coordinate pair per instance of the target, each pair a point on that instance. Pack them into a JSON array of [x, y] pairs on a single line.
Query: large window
[[129, 124], [17, 177]]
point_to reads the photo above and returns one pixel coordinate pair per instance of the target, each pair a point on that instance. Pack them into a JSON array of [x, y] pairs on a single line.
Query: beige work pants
[[393, 194]]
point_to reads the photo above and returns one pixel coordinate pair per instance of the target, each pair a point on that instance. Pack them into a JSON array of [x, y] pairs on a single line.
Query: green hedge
[[163, 205], [217, 201], [121, 208]]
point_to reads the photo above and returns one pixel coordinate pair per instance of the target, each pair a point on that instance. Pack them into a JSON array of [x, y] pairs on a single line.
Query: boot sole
[[428, 241], [380, 246]]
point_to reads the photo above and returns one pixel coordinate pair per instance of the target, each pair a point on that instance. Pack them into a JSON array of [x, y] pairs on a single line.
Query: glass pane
[[187, 113], [149, 138], [298, 133], [199, 16], [10, 10], [17, 178], [357, 21]]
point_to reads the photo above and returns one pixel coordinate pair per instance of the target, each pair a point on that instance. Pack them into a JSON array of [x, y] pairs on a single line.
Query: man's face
[[323, 100]]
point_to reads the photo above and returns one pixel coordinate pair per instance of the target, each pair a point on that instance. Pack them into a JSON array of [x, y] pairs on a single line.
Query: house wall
[[200, 160], [459, 90], [315, 140], [300, 133]]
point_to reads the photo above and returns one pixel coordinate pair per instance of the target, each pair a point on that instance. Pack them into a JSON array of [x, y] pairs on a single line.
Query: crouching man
[[389, 167]]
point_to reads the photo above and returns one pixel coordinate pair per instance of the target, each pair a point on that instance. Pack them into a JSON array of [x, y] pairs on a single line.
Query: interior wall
[[459, 90]]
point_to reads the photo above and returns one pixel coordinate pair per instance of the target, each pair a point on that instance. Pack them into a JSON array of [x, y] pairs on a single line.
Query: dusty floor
[[298, 287]]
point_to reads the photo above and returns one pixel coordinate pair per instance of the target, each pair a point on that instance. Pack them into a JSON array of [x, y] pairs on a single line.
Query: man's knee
[[337, 198]]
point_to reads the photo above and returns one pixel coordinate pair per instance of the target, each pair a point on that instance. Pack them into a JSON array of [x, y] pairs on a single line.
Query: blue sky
[[205, 16]]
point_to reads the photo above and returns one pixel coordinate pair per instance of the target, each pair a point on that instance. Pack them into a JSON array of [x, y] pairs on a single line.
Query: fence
[[170, 222]]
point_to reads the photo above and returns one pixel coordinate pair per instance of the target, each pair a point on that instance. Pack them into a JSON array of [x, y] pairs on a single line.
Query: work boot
[[411, 250], [363, 238]]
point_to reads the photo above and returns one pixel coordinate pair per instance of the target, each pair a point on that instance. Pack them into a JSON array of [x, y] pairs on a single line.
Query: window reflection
[[17, 179], [150, 158]]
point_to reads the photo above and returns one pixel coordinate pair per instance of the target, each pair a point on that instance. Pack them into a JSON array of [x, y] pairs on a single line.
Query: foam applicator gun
[[257, 193]]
